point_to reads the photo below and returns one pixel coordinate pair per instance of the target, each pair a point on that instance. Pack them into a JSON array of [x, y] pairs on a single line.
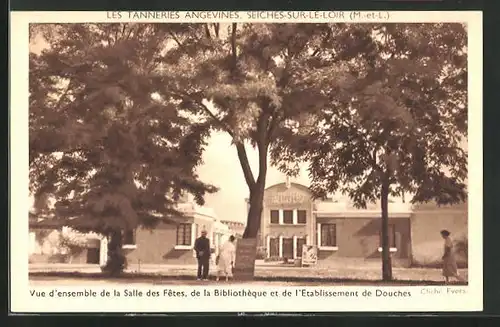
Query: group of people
[[227, 254], [225, 258]]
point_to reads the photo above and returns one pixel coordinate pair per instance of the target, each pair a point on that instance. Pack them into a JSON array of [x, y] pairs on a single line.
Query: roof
[[47, 223], [231, 222], [84, 223], [429, 206], [294, 185]]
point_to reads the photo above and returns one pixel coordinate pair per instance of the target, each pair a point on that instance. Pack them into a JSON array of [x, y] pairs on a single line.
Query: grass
[[156, 278]]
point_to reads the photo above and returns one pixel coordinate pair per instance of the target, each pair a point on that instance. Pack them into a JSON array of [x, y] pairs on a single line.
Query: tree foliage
[[375, 109], [399, 127], [249, 80], [110, 151]]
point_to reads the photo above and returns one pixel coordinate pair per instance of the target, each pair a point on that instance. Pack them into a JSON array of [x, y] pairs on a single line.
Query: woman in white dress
[[226, 258]]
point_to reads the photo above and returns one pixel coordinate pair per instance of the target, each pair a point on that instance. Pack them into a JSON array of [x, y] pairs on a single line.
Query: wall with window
[[285, 245], [167, 243], [286, 220], [360, 237]]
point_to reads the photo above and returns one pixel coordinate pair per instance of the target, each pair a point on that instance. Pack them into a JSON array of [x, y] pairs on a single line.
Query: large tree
[[400, 126], [111, 153], [248, 80]]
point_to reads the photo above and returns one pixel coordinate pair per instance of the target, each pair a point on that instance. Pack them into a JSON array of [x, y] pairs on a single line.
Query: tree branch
[[245, 165], [207, 31], [373, 160], [217, 28], [273, 126], [262, 145], [217, 121], [325, 38], [233, 44], [174, 37], [65, 93]]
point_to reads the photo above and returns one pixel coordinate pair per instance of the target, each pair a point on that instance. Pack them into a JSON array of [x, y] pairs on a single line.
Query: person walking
[[449, 261], [226, 258], [202, 249]]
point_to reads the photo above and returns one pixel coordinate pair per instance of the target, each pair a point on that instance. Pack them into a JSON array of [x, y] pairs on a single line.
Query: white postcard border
[[450, 298]]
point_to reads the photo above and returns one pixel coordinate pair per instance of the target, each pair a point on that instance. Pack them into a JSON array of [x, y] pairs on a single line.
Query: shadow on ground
[[159, 279]]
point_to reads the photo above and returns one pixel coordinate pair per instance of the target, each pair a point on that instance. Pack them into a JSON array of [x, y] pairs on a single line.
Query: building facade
[[426, 222], [291, 218], [238, 228], [173, 243], [167, 243], [51, 242]]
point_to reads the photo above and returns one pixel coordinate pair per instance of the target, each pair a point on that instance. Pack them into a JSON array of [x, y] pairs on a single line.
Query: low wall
[[427, 244]]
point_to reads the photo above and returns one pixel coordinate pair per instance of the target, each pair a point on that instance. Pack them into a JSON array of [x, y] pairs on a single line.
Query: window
[[288, 216], [301, 216], [274, 247], [392, 237], [275, 217], [129, 237], [328, 235], [184, 234], [300, 245]]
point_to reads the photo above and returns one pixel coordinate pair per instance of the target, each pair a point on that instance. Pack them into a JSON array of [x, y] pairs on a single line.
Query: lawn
[[317, 275]]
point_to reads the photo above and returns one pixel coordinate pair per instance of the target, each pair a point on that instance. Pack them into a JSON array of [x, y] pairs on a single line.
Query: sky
[[222, 168]]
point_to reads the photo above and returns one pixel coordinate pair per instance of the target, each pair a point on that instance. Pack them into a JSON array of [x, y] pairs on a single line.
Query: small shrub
[[462, 246], [261, 253], [58, 258]]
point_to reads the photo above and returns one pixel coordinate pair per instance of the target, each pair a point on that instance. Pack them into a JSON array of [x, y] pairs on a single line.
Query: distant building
[[52, 242], [169, 243], [238, 228], [291, 219]]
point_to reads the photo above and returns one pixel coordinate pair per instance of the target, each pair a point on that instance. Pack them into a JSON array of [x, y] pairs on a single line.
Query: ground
[[264, 274]]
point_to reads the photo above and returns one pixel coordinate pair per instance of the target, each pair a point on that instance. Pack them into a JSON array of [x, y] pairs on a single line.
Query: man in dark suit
[[202, 249]]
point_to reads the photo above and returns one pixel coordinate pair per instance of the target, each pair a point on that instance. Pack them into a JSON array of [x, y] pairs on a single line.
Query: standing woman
[[226, 258], [449, 261]]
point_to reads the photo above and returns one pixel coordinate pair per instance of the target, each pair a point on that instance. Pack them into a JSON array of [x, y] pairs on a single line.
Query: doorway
[[93, 255], [288, 248]]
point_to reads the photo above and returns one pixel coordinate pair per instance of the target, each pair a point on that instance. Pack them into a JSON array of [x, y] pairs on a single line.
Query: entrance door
[[300, 245], [274, 247], [93, 255], [288, 248]]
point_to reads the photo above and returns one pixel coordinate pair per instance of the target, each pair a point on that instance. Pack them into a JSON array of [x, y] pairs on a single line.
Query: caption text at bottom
[[248, 293]]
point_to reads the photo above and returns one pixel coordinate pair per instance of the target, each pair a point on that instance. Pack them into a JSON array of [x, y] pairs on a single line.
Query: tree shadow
[[158, 279]]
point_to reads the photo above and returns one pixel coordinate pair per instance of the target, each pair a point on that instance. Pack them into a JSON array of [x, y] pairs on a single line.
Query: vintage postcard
[[284, 161]]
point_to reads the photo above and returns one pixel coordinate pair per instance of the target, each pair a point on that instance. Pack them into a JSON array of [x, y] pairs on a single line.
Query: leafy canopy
[[249, 79], [103, 143], [402, 121]]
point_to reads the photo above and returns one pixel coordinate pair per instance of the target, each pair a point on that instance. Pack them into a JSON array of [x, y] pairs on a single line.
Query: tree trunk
[[254, 212], [116, 262], [246, 249], [386, 254]]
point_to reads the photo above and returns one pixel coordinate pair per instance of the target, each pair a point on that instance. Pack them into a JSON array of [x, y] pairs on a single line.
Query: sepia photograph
[[234, 157]]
